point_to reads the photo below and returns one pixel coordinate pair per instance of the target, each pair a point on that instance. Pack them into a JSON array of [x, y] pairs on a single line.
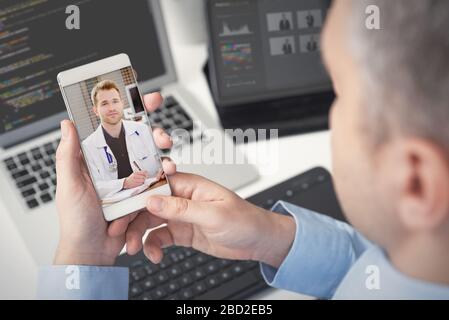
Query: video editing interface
[[35, 45], [267, 48]]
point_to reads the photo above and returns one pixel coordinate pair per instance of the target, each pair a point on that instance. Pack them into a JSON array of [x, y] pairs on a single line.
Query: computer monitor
[[265, 50], [35, 45]]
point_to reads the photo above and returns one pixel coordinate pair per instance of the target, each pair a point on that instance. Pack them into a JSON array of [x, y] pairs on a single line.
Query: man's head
[[108, 104], [390, 132]]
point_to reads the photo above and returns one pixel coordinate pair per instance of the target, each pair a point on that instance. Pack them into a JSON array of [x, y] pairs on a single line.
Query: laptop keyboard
[[186, 274], [34, 174], [34, 171]]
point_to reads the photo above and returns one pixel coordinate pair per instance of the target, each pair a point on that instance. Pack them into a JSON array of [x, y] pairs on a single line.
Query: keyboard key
[[9, 161], [211, 267], [162, 277], [172, 286], [187, 265], [53, 181], [199, 287], [37, 156], [26, 182], [212, 282], [43, 186], [49, 162], [46, 198], [135, 290], [198, 274], [44, 174], [28, 192], [186, 294], [166, 262], [49, 148], [25, 161], [170, 102], [36, 167], [200, 259], [189, 252], [185, 280], [138, 274], [225, 275], [150, 269], [175, 271], [227, 290], [11, 166], [178, 122], [237, 269], [32, 203], [149, 283], [177, 256], [146, 296], [20, 174], [159, 293], [224, 262]]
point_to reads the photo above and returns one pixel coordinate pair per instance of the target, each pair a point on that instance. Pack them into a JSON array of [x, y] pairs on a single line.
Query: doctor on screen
[[120, 154]]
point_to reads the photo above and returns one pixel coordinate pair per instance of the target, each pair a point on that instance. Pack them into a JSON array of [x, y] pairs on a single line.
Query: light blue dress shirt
[[328, 259]]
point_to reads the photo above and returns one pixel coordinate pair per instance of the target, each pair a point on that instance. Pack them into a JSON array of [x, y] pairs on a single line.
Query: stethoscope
[[112, 165]]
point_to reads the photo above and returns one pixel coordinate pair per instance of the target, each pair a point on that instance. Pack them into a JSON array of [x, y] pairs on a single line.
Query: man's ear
[[424, 183], [95, 110]]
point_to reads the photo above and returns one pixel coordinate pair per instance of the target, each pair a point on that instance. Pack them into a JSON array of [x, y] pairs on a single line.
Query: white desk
[[18, 273]]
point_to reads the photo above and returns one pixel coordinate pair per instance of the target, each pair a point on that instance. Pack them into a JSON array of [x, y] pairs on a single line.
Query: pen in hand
[[137, 166]]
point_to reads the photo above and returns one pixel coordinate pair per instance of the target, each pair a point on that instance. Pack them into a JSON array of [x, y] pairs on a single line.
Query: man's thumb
[[68, 154], [175, 209]]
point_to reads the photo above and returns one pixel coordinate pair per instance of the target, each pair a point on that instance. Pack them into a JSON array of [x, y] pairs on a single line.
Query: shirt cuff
[[317, 260], [83, 283]]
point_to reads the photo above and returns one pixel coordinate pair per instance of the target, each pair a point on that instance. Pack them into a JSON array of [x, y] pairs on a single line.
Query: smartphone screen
[[116, 140]]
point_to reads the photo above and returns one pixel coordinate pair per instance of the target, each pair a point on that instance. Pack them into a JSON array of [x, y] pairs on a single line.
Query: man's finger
[[155, 242], [140, 174], [169, 166], [68, 157], [162, 139], [137, 229], [178, 209], [153, 101], [184, 185], [118, 227]]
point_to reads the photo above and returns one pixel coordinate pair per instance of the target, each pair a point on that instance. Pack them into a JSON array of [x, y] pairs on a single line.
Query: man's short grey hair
[[405, 67]]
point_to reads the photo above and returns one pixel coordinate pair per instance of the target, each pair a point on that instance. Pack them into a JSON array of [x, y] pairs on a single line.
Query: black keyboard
[[186, 274], [34, 171]]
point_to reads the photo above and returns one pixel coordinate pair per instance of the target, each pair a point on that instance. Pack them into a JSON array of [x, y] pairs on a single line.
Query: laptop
[[37, 46], [265, 59]]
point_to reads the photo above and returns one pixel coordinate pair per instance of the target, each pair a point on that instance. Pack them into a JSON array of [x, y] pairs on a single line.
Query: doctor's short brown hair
[[103, 85]]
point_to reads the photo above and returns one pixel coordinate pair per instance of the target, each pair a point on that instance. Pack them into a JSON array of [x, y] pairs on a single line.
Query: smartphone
[[103, 101]]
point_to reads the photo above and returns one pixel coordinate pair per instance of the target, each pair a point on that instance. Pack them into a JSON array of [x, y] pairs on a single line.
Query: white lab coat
[[141, 149]]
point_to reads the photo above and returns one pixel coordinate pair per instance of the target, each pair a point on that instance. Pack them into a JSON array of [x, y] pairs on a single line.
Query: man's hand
[[160, 175], [211, 219], [135, 180], [85, 237]]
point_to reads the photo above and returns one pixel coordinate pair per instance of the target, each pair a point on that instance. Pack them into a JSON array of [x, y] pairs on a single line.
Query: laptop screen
[[265, 49], [38, 39]]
